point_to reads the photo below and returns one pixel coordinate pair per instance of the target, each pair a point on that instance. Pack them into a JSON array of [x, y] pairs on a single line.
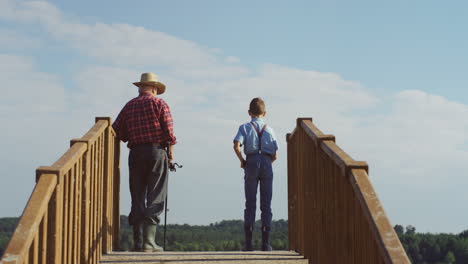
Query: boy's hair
[[257, 106]]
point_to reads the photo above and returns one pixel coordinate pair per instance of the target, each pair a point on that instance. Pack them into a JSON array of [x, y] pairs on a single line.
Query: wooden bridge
[[335, 216]]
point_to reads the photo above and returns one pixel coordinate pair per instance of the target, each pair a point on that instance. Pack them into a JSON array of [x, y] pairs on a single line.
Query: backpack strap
[[259, 134]]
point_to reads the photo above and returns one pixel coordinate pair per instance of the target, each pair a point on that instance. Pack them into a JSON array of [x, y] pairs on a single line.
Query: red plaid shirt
[[145, 119]]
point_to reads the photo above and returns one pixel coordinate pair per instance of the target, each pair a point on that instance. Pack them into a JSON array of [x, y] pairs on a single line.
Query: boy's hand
[[239, 154], [274, 157]]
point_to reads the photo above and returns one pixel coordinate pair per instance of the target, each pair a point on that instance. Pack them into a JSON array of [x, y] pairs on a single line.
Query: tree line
[[227, 235]]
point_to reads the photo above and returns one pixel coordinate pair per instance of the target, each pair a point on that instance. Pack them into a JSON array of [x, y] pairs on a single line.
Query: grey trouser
[[148, 167]]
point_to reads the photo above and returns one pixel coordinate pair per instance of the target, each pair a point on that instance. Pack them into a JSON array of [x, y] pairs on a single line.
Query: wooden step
[[229, 257]]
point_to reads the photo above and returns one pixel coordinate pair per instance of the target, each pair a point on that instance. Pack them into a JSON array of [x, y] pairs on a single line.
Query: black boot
[[248, 239], [137, 237], [266, 239]]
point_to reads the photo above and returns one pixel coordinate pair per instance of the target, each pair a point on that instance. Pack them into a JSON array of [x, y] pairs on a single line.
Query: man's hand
[[170, 154]]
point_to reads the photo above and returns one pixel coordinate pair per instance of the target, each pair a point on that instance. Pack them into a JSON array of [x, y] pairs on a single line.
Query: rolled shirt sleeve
[[273, 137], [120, 126], [240, 136], [167, 124]]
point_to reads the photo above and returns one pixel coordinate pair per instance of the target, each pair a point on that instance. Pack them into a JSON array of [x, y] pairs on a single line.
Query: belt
[[260, 153], [159, 145]]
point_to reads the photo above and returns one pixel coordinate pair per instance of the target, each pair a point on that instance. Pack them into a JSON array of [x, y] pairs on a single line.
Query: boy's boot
[[248, 239], [137, 237], [149, 236], [266, 239]]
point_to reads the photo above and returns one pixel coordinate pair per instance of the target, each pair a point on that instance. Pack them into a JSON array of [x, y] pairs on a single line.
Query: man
[[146, 123]]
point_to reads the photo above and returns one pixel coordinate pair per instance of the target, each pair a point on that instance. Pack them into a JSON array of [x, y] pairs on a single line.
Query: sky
[[388, 79]]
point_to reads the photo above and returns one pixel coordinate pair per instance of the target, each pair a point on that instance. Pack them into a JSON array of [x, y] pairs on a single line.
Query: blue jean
[[257, 170]]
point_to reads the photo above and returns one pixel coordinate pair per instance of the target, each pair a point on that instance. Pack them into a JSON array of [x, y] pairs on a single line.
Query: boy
[[260, 148]]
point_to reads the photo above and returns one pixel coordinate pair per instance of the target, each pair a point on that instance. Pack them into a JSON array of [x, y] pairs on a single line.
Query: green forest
[[227, 235]]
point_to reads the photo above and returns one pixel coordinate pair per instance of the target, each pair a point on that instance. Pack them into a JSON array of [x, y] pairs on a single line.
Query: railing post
[[85, 203], [55, 217], [107, 218], [292, 198]]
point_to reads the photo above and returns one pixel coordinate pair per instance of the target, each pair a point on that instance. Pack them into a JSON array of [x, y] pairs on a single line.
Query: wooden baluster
[[79, 177], [43, 234], [74, 212], [65, 218], [116, 193], [110, 191], [85, 206], [106, 196], [95, 198], [100, 195], [35, 249], [54, 225], [92, 208], [98, 198], [71, 200]]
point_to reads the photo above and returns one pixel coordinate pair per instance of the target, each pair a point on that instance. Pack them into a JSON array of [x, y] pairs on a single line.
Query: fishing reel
[[174, 166]]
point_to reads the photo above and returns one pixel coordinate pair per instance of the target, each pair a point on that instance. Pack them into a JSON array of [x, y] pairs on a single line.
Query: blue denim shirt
[[247, 136]]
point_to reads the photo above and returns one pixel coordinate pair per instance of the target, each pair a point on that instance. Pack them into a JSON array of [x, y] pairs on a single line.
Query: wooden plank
[[225, 261], [28, 224], [93, 134], [66, 162], [205, 257]]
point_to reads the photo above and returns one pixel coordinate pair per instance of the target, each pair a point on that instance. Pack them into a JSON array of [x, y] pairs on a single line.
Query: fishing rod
[[172, 167]]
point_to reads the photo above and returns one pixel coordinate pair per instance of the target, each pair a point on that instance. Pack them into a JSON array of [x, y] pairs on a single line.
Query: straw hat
[[150, 78]]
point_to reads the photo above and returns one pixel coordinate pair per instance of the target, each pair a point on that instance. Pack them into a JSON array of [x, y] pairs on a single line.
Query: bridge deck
[[274, 257]]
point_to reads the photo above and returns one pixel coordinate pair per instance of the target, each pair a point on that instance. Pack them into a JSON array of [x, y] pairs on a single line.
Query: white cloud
[[44, 92], [10, 39], [123, 44], [232, 59]]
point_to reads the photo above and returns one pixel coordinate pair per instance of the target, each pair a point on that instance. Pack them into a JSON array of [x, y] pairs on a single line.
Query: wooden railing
[[72, 215], [334, 213]]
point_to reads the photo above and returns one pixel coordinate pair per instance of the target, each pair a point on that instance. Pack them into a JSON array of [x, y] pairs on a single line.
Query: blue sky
[[392, 45], [387, 78]]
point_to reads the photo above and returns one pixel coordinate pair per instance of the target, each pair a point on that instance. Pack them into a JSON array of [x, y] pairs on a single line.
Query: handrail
[[334, 213], [72, 215]]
